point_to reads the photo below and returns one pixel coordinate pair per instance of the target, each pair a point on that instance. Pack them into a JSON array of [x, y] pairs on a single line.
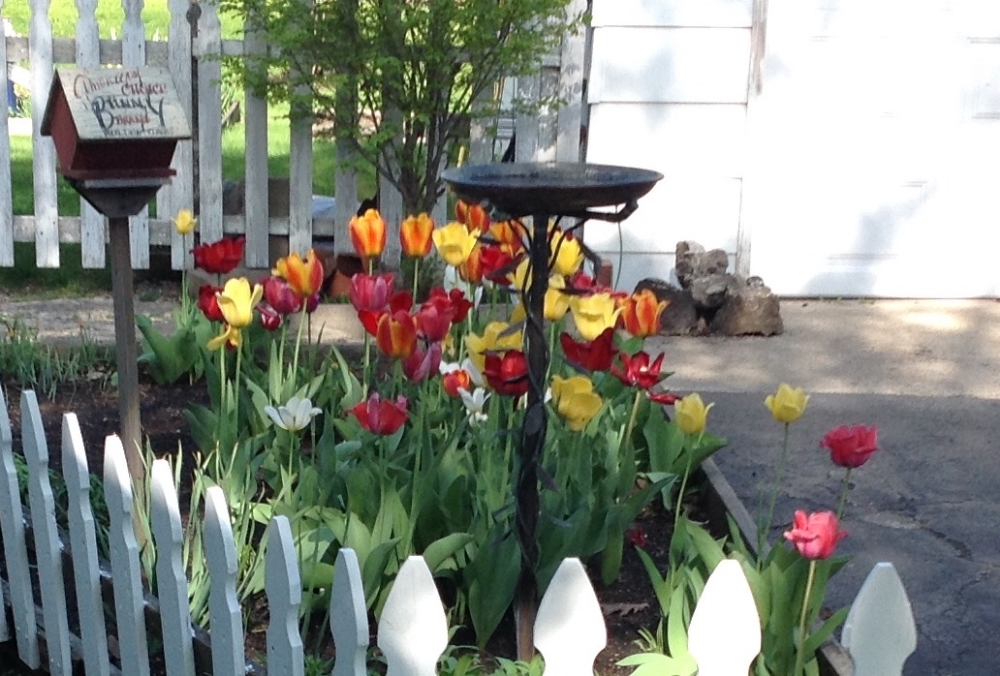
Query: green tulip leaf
[[439, 551]]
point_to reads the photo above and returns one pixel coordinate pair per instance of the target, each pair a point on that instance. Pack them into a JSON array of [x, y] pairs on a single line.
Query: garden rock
[[710, 291], [749, 309], [680, 317], [694, 262]]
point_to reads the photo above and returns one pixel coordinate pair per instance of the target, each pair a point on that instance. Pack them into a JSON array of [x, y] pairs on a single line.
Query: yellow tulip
[[593, 314], [566, 255], [497, 337], [788, 404], [236, 302], [454, 242], [575, 399], [185, 222], [691, 413], [519, 277], [556, 302]]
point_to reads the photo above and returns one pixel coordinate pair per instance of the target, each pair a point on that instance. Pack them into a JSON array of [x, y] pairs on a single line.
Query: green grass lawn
[[63, 16]]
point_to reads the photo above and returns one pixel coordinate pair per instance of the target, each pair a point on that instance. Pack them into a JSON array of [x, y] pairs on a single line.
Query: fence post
[[6, 200], [724, 634], [88, 55], [180, 193], [83, 543], [348, 616], [569, 626], [226, 621], [285, 656], [125, 576], [413, 631], [209, 47], [134, 55], [879, 631], [43, 164], [15, 549], [172, 584], [48, 549]]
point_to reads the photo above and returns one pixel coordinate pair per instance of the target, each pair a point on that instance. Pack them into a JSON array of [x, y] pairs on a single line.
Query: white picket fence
[[724, 634], [543, 137]]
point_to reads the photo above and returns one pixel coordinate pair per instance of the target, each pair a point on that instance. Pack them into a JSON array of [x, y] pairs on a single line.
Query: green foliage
[[402, 68], [778, 582], [26, 362]]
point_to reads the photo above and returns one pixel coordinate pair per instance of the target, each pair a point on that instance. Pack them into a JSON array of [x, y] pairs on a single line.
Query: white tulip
[[474, 403], [293, 416]]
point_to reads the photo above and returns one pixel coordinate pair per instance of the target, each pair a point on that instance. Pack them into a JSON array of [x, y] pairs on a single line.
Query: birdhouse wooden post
[[115, 130]]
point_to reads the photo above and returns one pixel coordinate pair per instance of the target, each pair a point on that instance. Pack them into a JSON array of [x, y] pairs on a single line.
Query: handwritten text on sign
[[123, 103]]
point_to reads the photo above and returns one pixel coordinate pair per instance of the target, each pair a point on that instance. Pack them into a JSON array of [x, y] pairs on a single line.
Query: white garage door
[[874, 166]]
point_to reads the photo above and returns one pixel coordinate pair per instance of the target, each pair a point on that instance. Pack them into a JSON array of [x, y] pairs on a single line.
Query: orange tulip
[[508, 233], [471, 270], [368, 234], [415, 235], [472, 215], [396, 334], [641, 313], [305, 277]]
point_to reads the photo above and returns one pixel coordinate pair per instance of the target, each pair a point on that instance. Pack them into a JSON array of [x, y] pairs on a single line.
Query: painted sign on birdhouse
[[114, 122]]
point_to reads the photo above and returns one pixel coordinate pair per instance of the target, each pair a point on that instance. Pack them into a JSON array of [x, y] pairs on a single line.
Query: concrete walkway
[[926, 372]]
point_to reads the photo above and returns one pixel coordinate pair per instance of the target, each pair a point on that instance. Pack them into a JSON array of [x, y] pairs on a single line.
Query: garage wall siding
[[668, 91]]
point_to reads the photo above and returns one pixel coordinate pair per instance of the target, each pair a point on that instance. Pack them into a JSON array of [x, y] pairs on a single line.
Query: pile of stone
[[711, 300]]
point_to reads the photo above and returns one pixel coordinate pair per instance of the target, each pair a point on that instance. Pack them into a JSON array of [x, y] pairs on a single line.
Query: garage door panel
[[689, 139], [735, 13], [704, 210], [669, 65]]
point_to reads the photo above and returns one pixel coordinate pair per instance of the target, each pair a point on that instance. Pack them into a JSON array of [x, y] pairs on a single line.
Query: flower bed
[[421, 448]]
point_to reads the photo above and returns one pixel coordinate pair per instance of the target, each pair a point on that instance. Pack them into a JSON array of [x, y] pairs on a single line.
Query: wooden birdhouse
[[114, 123]]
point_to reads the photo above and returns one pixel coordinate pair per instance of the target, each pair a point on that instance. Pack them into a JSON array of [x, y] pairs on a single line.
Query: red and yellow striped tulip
[[368, 234]]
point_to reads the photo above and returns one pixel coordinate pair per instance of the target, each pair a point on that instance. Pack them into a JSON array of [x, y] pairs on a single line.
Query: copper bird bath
[[542, 191]]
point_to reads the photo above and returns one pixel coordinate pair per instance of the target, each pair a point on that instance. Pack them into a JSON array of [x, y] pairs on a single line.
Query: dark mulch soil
[[628, 604]]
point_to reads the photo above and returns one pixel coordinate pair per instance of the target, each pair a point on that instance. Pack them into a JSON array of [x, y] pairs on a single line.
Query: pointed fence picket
[[724, 634]]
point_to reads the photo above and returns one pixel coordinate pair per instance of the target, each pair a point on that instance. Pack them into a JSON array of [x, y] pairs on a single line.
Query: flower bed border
[[721, 499]]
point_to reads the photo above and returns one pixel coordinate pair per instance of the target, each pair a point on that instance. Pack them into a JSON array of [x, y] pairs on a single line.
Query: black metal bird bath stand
[[542, 191]]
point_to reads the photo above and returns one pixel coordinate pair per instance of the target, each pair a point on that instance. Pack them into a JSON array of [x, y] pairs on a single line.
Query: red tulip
[[419, 365], [637, 371], [472, 216], [456, 380], [281, 296], [371, 292], [851, 446], [596, 355], [396, 334], [270, 319], [815, 535], [208, 302], [497, 264], [455, 299], [663, 398], [471, 270], [434, 320], [636, 535], [220, 258], [507, 375], [641, 313], [381, 417]]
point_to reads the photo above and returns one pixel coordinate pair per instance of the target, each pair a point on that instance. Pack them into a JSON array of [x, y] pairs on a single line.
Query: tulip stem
[[416, 278], [844, 488], [298, 340], [684, 482], [765, 526], [236, 385], [800, 651]]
